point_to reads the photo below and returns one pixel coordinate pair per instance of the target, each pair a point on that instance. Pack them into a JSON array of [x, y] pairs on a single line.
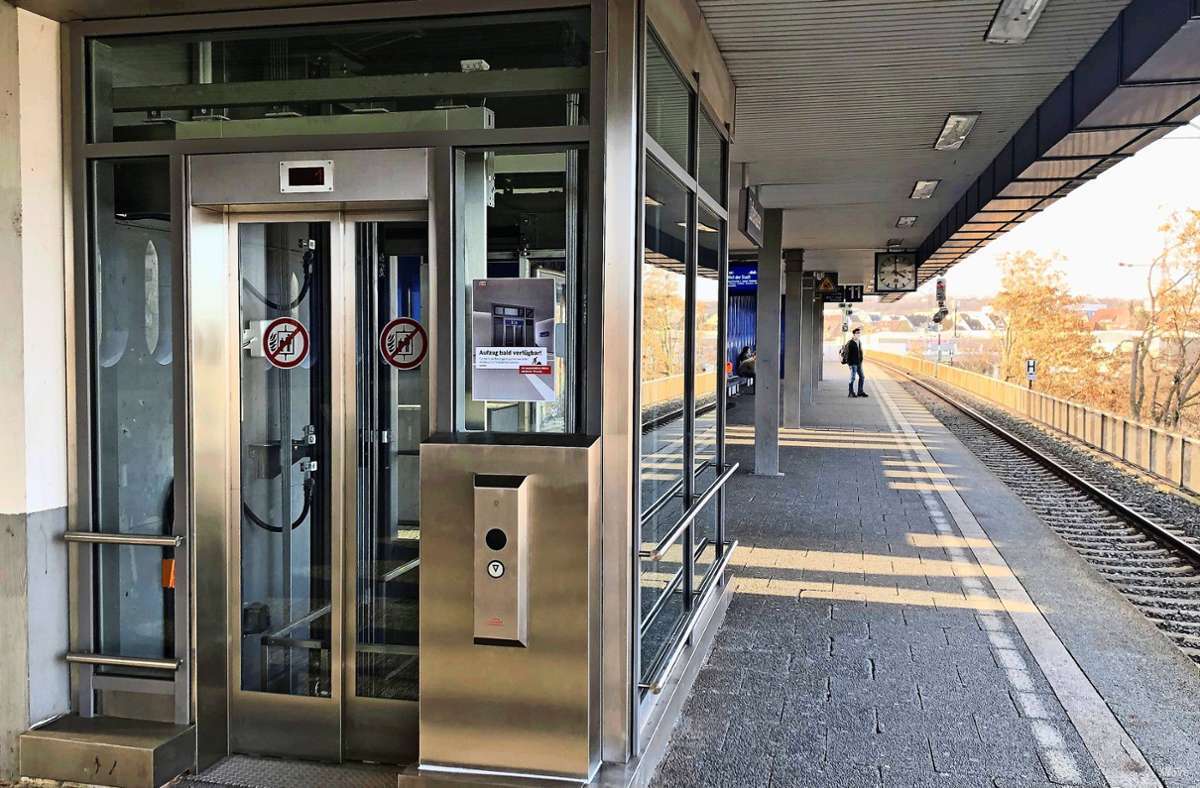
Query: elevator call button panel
[[501, 560]]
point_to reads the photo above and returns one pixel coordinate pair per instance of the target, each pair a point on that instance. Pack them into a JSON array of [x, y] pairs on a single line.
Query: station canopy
[[839, 107]]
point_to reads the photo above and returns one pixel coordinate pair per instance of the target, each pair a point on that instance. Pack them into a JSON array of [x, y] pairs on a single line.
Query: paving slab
[[902, 664]]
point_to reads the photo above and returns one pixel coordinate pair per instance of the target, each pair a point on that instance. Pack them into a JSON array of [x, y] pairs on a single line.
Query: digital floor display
[[512, 329]]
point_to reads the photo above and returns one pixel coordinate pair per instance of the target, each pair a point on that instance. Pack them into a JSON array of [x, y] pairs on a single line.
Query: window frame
[[695, 594]]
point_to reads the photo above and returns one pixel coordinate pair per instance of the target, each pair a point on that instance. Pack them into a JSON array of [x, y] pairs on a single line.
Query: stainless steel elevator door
[[392, 389], [286, 672], [324, 533]]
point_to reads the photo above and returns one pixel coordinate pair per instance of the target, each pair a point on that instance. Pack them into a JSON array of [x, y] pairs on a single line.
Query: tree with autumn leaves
[[1042, 321], [1164, 360], [1152, 377]]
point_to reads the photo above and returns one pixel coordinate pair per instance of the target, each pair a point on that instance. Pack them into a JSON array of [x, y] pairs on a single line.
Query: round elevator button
[[495, 569], [496, 539]]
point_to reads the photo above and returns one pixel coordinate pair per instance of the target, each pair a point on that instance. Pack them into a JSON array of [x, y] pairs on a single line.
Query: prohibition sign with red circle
[[285, 343], [403, 343]]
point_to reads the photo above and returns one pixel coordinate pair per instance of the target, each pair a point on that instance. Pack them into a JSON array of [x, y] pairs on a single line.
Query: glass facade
[[519, 289], [681, 379], [668, 105], [710, 234], [482, 71], [133, 391], [711, 164]]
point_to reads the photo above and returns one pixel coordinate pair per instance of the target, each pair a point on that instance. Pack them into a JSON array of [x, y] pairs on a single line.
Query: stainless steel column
[[819, 339], [766, 380], [808, 378], [794, 352]]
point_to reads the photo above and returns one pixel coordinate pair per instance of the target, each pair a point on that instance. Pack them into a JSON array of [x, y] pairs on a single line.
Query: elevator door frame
[[267, 723], [224, 190], [343, 726]]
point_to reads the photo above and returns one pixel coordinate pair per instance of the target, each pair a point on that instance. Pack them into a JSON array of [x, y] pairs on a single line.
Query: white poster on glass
[[512, 338]]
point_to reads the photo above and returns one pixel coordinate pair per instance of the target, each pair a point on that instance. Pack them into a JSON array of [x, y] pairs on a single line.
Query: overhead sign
[[825, 284], [941, 291], [285, 343], [752, 215], [743, 278], [403, 343], [844, 294]]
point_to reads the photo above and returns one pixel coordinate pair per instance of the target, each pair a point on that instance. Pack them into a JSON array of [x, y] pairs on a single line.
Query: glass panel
[[393, 419], [709, 374], [285, 380], [668, 105], [664, 328], [132, 378], [705, 533], [519, 289], [497, 70], [662, 608], [710, 154]]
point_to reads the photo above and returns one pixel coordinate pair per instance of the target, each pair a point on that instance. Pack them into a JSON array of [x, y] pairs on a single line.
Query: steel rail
[[1143, 523]]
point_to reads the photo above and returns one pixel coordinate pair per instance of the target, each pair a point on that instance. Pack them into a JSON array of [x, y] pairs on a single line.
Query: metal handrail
[[115, 661], [664, 544], [658, 683], [403, 569], [308, 618], [148, 540]]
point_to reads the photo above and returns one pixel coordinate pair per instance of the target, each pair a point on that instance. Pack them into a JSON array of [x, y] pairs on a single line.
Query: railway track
[[1155, 564]]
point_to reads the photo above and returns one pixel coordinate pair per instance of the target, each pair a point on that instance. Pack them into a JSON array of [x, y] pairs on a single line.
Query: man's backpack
[[845, 347]]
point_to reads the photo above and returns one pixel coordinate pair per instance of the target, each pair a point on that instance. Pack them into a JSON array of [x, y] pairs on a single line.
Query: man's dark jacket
[[854, 354]]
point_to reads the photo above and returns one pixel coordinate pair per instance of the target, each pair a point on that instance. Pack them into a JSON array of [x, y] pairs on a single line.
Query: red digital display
[[306, 176]]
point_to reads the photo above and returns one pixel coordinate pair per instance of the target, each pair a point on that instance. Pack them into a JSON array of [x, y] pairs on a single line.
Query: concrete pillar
[[766, 371], [807, 378], [818, 328], [33, 409], [819, 339], [794, 352]]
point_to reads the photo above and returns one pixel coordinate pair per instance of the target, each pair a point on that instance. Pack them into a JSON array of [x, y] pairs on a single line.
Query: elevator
[[306, 434]]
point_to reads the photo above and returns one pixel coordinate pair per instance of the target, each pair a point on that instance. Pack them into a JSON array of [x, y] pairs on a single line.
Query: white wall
[[33, 414]]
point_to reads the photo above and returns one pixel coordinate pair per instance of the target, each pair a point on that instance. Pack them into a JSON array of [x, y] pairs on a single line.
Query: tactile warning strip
[[241, 771]]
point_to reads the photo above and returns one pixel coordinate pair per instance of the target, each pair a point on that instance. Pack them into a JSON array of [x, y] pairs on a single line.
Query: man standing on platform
[[852, 355]]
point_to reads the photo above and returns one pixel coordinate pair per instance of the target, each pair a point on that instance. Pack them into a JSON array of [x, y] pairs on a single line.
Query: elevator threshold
[[108, 751], [244, 771]]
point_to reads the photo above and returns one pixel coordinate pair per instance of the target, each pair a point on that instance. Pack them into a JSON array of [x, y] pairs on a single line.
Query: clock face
[[895, 272]]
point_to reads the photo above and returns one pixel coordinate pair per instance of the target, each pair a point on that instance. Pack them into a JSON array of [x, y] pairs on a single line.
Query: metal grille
[[242, 771]]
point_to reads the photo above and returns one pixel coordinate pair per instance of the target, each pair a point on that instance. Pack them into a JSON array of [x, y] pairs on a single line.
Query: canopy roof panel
[[839, 103]]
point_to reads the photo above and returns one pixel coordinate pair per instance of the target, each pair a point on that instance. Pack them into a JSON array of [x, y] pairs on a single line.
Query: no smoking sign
[[403, 343]]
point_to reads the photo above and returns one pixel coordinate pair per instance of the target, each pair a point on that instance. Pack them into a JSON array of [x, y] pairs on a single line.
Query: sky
[[1112, 219]]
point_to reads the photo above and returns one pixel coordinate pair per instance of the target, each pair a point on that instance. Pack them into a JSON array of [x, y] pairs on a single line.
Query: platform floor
[[902, 619]]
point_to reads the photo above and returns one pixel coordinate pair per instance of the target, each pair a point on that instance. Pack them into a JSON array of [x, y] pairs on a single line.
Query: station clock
[[895, 272]]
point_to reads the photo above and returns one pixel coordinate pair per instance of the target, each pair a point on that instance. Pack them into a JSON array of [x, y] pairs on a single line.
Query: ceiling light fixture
[[648, 200], [1014, 21], [906, 221], [954, 133], [923, 190]]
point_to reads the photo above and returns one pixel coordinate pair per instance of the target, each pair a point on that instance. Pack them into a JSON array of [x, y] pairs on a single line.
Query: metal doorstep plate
[[243, 771]]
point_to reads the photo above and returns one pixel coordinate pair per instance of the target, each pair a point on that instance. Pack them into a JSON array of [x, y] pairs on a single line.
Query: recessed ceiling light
[[648, 200], [906, 221], [1014, 21], [954, 133], [893, 242], [923, 190]]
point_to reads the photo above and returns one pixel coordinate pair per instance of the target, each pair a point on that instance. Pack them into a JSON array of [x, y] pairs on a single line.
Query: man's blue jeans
[[856, 371]]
